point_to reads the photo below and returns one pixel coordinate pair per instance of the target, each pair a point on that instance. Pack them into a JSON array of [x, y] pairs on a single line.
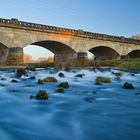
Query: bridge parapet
[[45, 28]]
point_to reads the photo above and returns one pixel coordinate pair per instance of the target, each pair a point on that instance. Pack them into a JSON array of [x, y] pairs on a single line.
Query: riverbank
[[123, 63], [127, 64]]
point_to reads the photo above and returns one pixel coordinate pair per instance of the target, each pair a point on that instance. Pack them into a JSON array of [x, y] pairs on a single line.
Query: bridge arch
[[62, 52], [134, 54], [104, 53]]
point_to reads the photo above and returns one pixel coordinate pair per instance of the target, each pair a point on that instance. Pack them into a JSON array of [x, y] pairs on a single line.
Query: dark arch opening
[[104, 53], [55, 47], [134, 54], [62, 52], [4, 52]]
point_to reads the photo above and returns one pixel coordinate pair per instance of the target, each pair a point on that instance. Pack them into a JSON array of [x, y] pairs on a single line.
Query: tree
[[136, 37], [27, 58], [50, 60]]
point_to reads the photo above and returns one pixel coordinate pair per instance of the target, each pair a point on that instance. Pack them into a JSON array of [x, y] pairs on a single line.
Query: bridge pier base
[[81, 58], [15, 56], [124, 57], [65, 60]]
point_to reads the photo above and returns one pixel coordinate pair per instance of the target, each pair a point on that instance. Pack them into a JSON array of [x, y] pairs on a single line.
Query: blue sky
[[116, 17]]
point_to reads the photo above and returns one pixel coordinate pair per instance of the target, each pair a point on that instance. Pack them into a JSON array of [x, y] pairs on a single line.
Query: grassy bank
[[124, 63]]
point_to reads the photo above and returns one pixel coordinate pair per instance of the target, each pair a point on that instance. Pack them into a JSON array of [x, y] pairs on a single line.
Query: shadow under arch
[[54, 46], [134, 54], [62, 52], [4, 52], [104, 53]]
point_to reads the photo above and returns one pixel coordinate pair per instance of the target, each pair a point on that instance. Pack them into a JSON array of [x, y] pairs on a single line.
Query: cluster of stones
[[43, 94]]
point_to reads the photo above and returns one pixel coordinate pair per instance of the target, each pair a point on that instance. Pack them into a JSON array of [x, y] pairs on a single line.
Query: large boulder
[[128, 85], [50, 79], [101, 79], [64, 85], [20, 72], [42, 95]]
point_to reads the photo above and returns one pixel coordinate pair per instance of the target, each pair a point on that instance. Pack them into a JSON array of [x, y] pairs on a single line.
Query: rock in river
[[40, 81], [42, 95], [79, 75], [60, 90], [14, 81], [20, 72], [128, 86], [101, 79], [50, 79], [64, 85], [61, 75]]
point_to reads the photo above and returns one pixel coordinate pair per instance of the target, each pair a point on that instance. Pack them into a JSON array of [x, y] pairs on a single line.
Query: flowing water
[[85, 111]]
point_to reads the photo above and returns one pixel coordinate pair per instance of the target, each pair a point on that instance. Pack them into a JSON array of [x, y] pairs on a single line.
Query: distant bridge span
[[66, 44]]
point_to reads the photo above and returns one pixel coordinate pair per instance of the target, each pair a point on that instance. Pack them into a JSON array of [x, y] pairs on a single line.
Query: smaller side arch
[[134, 54], [104, 53]]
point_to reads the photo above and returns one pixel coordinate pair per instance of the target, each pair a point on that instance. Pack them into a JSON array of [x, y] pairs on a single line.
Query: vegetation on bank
[[123, 63]]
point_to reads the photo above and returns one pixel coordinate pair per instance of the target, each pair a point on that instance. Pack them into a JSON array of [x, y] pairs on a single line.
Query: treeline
[[29, 59]]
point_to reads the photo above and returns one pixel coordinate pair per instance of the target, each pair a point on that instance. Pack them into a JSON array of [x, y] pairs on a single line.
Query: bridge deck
[[15, 23]]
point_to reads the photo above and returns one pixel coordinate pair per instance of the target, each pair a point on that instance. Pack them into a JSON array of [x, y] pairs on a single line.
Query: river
[[85, 111]]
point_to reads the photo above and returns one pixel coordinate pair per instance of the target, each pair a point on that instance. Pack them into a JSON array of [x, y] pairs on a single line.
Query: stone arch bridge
[[68, 45]]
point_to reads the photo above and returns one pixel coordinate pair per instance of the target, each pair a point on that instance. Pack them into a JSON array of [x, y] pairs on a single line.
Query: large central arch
[[63, 54], [104, 53]]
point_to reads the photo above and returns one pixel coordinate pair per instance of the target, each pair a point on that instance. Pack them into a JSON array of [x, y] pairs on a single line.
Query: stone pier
[[81, 58], [15, 56], [66, 60]]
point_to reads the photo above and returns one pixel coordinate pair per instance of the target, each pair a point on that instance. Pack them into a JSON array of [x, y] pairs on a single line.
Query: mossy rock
[[14, 81], [128, 86], [40, 81], [101, 79], [60, 90], [61, 75], [64, 85], [50, 79], [42, 95]]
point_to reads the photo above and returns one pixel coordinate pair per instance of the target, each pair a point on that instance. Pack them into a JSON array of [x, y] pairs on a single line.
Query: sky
[[114, 17]]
